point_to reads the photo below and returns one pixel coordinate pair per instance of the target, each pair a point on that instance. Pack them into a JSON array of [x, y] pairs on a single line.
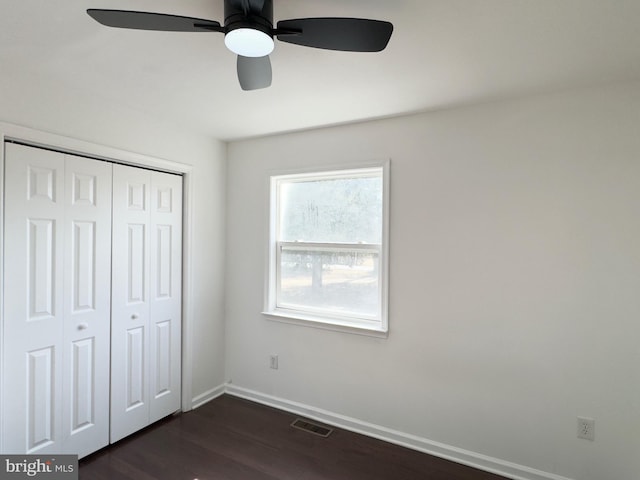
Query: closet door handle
[[134, 316], [83, 326]]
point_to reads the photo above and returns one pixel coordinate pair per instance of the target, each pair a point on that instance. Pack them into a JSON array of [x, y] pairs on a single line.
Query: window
[[328, 249]]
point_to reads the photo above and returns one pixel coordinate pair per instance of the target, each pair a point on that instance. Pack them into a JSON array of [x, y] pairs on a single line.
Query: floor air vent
[[312, 427]]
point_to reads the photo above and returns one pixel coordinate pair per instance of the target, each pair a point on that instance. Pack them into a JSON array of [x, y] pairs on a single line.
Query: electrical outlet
[[273, 362], [586, 428]]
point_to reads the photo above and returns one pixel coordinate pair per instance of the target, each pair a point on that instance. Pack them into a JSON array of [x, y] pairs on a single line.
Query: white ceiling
[[442, 53]]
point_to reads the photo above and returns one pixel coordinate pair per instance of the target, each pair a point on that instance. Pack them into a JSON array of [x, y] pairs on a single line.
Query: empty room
[[280, 239]]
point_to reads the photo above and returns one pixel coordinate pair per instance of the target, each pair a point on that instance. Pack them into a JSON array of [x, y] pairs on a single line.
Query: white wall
[[515, 281], [38, 103]]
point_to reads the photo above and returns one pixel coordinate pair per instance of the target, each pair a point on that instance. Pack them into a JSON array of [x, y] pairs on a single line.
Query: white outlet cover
[[586, 428]]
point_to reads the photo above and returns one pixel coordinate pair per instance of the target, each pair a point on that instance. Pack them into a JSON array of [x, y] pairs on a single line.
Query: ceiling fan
[[248, 32]]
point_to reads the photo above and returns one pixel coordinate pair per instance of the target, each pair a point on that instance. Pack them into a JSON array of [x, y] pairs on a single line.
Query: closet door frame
[[28, 136]]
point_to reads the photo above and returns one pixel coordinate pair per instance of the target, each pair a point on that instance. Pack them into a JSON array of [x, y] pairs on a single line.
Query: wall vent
[[311, 427]]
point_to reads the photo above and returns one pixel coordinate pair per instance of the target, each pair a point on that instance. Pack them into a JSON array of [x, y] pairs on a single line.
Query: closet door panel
[[91, 340], [87, 304], [130, 301], [166, 294], [33, 294]]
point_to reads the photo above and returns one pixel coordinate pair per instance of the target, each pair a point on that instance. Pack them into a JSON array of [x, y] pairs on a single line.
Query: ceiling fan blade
[[254, 72], [346, 34], [152, 21]]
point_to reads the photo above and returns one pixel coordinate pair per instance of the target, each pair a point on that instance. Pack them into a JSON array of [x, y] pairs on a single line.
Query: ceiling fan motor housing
[[254, 14]]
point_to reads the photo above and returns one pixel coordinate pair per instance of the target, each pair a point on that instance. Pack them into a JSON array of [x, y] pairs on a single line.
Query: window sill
[[324, 323]]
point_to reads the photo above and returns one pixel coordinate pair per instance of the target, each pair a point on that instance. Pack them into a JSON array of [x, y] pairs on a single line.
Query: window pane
[[332, 210], [332, 280]]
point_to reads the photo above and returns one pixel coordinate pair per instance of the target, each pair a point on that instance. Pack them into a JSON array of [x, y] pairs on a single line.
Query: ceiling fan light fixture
[[249, 42], [249, 33]]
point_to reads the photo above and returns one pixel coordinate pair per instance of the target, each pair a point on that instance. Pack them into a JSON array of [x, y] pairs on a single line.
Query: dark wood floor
[[230, 438]]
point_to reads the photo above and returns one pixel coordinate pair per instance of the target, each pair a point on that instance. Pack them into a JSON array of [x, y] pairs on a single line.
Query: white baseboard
[[207, 396], [448, 452]]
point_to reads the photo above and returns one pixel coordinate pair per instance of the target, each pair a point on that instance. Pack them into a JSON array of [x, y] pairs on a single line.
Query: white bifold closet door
[[92, 301], [57, 275], [146, 298]]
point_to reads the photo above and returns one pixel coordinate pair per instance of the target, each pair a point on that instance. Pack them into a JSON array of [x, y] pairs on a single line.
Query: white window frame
[[320, 318]]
